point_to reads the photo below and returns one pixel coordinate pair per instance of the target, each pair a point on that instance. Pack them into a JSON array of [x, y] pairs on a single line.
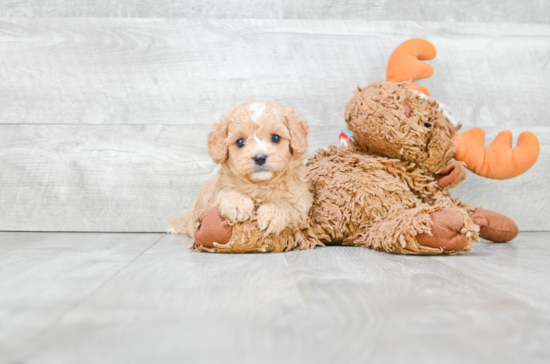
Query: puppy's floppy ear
[[298, 132], [217, 145]]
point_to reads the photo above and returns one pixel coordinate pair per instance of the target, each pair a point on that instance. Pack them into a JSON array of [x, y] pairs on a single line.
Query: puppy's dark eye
[[427, 125], [240, 143], [275, 138]]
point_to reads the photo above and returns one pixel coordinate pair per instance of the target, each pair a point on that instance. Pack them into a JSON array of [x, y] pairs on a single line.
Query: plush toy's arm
[[451, 176]]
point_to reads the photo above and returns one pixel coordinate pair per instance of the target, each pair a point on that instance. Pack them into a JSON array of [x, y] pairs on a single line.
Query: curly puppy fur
[[271, 192], [380, 192]]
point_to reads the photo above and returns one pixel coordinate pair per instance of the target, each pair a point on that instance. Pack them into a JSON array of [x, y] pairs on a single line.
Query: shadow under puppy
[[261, 147]]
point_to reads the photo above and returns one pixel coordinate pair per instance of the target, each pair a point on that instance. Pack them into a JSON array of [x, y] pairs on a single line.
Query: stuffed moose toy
[[387, 186]]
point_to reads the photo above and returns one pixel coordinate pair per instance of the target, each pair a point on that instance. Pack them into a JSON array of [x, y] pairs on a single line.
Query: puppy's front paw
[[236, 207], [272, 219]]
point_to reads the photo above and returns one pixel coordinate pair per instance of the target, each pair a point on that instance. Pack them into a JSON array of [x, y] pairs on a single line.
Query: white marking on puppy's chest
[[257, 109]]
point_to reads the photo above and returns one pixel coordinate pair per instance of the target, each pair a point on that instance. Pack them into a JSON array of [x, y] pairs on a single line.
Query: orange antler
[[406, 64], [498, 160]]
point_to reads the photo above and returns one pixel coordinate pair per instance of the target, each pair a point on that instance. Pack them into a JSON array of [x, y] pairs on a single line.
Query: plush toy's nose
[[259, 159]]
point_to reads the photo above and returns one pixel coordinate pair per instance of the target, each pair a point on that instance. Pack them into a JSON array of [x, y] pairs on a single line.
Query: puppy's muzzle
[[259, 159]]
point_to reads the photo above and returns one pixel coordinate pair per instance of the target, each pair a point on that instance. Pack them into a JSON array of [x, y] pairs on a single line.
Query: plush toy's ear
[[405, 63], [298, 132], [217, 145], [498, 160]]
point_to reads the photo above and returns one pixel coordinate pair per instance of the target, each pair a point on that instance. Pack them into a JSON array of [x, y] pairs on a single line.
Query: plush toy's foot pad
[[446, 226], [494, 226], [212, 228]]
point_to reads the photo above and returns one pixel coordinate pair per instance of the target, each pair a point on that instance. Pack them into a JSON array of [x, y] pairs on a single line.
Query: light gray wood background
[[105, 105], [146, 298]]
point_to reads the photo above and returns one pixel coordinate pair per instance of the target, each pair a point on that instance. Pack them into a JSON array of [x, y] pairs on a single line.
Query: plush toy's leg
[[214, 234], [420, 230], [494, 226], [445, 234]]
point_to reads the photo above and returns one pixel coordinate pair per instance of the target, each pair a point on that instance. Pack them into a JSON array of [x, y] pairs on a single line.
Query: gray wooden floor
[[146, 298]]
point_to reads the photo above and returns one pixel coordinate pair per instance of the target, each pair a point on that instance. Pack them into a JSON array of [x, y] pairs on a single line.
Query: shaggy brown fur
[[380, 192]]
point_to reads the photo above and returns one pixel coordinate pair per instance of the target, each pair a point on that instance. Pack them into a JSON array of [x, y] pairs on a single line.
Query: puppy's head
[[258, 140]]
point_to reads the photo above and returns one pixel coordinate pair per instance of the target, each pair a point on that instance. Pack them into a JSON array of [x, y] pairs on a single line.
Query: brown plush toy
[[388, 188]]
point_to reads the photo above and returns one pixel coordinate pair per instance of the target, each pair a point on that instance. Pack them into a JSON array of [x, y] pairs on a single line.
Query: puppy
[[261, 147]]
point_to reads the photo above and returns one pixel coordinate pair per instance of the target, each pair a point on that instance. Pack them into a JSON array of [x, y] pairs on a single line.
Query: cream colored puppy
[[261, 147]]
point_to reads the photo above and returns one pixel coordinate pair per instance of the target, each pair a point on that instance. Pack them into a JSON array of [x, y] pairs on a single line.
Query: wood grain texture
[[103, 121], [42, 275], [336, 304], [141, 177], [503, 11], [105, 177], [142, 71]]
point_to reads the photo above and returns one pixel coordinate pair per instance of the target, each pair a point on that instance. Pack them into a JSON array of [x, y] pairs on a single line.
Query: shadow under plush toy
[[387, 187]]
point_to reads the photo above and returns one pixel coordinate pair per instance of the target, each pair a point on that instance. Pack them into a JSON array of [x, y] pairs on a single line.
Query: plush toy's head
[[390, 120], [398, 119]]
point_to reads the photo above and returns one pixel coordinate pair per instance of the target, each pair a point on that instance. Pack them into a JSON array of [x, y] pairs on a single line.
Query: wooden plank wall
[[489, 11], [106, 105]]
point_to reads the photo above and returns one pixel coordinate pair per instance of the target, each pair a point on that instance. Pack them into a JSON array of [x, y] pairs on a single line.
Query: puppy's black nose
[[259, 159]]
